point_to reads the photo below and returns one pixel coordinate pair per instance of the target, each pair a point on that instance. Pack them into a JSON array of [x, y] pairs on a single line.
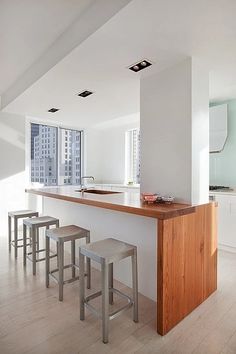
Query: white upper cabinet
[[218, 127]]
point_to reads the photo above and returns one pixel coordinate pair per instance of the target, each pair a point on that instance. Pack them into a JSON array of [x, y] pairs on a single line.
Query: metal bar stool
[[62, 235], [34, 225], [106, 252], [16, 215]]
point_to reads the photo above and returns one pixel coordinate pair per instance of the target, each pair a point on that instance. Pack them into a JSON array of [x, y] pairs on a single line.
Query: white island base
[[103, 223]]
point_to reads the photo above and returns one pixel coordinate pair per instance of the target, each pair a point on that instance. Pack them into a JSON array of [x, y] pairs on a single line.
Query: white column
[[174, 121]]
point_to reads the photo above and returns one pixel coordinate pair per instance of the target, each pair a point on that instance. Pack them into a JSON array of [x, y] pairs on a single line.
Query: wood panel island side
[[185, 244]]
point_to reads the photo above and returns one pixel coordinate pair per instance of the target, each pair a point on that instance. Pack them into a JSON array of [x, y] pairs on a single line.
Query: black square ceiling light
[[140, 66]]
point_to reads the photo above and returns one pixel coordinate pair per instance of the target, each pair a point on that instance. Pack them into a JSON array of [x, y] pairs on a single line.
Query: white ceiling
[[164, 32], [28, 28]]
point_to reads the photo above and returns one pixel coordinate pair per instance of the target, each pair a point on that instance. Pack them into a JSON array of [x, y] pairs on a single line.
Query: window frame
[[58, 126]]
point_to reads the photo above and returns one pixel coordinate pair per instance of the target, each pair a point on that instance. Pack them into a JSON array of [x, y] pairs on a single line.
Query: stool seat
[[22, 213], [16, 215], [41, 221], [107, 251], [67, 233]]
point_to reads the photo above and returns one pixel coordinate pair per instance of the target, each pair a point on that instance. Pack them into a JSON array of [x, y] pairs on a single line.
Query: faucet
[[83, 188]]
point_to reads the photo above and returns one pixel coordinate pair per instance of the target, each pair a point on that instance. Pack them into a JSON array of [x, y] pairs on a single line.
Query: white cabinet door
[[218, 127], [226, 220]]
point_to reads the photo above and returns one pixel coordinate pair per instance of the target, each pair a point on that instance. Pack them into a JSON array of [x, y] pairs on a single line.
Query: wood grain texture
[[186, 264], [124, 202]]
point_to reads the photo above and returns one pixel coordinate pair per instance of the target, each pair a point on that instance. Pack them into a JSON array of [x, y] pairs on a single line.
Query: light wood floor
[[32, 320]]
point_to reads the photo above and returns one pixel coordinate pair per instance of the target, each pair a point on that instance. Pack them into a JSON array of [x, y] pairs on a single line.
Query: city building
[[45, 161], [70, 156]]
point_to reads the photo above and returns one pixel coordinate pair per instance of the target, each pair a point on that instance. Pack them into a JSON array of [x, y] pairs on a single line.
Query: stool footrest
[[15, 244], [114, 313], [65, 267], [37, 251], [71, 280], [53, 254]]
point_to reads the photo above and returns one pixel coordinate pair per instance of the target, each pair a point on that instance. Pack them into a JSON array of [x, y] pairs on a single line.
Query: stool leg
[[47, 246], [61, 269], [135, 285], [57, 246], [105, 303], [37, 240], [110, 283], [57, 225], [9, 232], [15, 234], [81, 285], [88, 261], [73, 258], [24, 244], [47, 228], [33, 235]]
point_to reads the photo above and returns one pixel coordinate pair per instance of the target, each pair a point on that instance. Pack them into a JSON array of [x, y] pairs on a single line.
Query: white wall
[[174, 133], [105, 144], [200, 133], [12, 166], [164, 118], [92, 154]]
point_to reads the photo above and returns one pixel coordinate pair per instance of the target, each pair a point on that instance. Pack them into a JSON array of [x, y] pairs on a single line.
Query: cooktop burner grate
[[214, 188]]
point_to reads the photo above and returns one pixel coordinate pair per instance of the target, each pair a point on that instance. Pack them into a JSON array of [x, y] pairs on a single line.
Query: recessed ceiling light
[[140, 66], [53, 110], [85, 93]]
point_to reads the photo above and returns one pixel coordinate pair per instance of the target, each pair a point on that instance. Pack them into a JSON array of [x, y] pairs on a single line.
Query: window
[[69, 174], [52, 162], [39, 159], [133, 156]]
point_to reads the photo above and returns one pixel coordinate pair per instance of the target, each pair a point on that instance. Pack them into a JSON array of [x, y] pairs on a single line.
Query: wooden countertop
[[124, 202]]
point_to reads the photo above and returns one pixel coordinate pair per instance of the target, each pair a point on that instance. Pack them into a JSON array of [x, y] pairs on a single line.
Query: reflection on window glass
[[50, 145], [70, 153], [43, 156]]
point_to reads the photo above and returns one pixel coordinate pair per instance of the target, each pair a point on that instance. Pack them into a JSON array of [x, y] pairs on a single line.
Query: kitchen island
[[177, 248]]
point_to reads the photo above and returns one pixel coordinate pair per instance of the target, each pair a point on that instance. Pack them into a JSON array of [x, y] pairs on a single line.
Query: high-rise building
[[70, 152], [45, 141], [34, 133], [44, 161]]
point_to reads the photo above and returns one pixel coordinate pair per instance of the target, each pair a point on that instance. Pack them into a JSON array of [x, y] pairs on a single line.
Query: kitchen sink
[[98, 191]]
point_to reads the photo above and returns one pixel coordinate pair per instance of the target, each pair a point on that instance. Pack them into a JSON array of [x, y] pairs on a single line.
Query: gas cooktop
[[215, 188]]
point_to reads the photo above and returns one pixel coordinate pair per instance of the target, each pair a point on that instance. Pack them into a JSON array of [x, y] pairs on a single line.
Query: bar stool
[[106, 252], [16, 215], [34, 225], [61, 235]]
